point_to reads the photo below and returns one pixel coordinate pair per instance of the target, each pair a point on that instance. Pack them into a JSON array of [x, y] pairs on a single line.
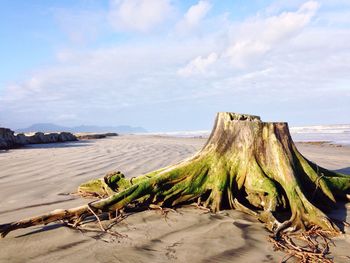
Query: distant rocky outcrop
[[92, 136], [8, 139]]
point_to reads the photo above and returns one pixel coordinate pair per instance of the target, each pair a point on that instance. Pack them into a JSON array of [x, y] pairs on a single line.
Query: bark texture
[[246, 164]]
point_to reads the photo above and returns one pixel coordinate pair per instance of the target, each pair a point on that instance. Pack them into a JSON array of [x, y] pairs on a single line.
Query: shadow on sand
[[343, 171], [339, 212], [42, 229]]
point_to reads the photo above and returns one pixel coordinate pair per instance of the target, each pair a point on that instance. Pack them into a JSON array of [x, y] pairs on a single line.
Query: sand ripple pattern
[[37, 178]]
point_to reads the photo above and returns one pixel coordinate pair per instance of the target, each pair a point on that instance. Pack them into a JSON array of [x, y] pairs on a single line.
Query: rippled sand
[[37, 179]]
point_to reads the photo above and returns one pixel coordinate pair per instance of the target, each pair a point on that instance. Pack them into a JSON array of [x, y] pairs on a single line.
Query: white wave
[[199, 133], [339, 134], [342, 128]]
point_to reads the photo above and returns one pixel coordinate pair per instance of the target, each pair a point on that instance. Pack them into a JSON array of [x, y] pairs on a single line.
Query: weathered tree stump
[[246, 164]]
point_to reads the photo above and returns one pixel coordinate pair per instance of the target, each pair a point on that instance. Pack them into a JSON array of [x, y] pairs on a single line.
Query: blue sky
[[171, 65]]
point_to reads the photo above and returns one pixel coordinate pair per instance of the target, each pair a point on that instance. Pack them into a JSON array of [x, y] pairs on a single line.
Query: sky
[[170, 65]]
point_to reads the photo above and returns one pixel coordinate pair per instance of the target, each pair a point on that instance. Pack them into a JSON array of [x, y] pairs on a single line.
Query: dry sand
[[37, 179]]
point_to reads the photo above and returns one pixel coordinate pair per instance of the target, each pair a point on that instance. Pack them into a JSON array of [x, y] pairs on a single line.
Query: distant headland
[[50, 127]]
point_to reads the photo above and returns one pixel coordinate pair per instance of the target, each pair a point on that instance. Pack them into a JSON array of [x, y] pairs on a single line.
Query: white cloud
[[194, 16], [100, 82], [199, 65], [257, 36], [138, 15]]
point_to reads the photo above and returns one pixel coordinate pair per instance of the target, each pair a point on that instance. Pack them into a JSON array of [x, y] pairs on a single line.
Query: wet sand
[[37, 179]]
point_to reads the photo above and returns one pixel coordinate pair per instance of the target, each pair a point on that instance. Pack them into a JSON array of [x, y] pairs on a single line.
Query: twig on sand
[[310, 246], [81, 226], [98, 219], [164, 211]]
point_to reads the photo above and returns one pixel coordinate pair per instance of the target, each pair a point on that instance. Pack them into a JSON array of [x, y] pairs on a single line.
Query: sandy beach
[[39, 178]]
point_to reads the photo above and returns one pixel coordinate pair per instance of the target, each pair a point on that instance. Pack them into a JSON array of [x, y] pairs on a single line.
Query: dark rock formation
[[8, 139], [66, 136], [22, 139], [111, 134], [93, 136]]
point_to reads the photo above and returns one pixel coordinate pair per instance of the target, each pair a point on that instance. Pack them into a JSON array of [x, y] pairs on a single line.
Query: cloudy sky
[[171, 65]]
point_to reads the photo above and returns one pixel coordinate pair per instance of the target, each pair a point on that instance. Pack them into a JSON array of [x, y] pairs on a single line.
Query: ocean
[[337, 134]]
